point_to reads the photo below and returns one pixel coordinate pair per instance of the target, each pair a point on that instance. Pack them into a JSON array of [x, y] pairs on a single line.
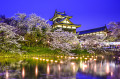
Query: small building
[[61, 20], [102, 31]]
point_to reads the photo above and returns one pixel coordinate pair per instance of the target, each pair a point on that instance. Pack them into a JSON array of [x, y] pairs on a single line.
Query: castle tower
[[61, 20]]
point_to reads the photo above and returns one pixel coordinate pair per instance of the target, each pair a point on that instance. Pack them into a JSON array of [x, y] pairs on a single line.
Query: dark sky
[[89, 13]]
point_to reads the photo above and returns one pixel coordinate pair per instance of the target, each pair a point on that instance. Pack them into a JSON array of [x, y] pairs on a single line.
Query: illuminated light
[[83, 56], [72, 57], [95, 59], [80, 57], [58, 56], [69, 57], [76, 57], [113, 57], [65, 57], [51, 60], [61, 62], [40, 58], [56, 61], [48, 69], [36, 40], [23, 72], [61, 56], [36, 70], [36, 58], [43, 59], [23, 39], [47, 59], [86, 58], [96, 56], [7, 74], [92, 56]]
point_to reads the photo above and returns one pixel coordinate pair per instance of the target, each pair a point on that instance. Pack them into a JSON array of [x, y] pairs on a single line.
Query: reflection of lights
[[61, 62], [59, 67], [23, 72], [48, 69], [72, 63], [102, 56], [107, 68], [111, 73], [73, 67], [55, 61], [84, 66], [7, 74], [95, 67], [36, 70]]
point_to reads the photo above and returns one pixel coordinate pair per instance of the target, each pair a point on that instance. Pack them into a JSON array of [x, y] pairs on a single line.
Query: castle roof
[[93, 30]]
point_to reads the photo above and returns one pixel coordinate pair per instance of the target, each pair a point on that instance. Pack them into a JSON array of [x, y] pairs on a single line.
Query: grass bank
[[40, 51]]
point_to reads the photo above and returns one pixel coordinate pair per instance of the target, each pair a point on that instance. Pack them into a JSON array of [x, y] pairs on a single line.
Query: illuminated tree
[[9, 39], [64, 41]]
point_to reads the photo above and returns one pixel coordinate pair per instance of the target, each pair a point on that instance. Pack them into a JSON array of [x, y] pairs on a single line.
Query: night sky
[[89, 13]]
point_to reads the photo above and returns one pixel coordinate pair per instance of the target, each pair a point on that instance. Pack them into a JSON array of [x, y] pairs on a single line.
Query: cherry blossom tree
[[114, 27], [9, 39], [64, 41]]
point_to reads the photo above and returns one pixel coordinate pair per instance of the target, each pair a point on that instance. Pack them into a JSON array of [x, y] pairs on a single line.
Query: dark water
[[62, 67]]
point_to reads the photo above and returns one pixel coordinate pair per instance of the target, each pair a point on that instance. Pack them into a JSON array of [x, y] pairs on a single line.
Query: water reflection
[[7, 74], [36, 70], [85, 67], [23, 72]]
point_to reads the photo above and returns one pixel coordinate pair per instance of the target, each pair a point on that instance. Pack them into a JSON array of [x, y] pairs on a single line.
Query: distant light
[[47, 59], [36, 58], [95, 59], [43, 59], [56, 61], [86, 58]]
